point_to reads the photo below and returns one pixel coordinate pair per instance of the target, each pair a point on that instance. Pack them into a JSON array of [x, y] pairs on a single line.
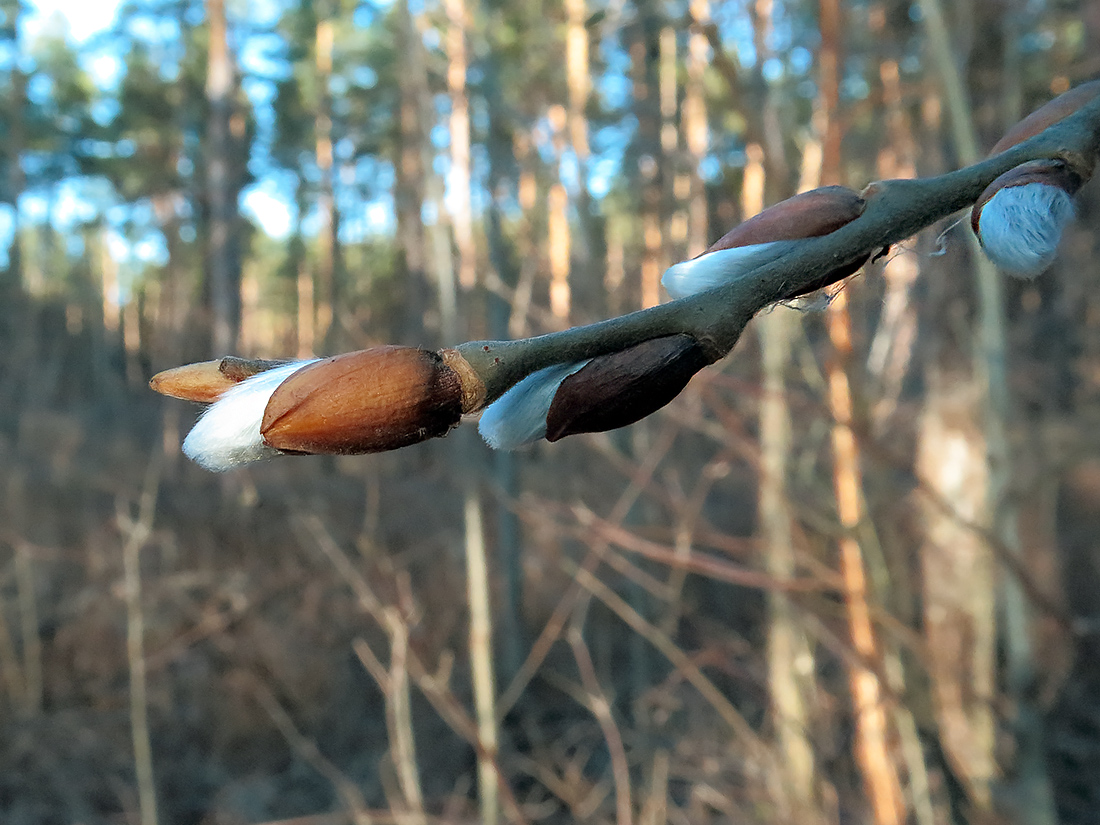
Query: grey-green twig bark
[[896, 210]]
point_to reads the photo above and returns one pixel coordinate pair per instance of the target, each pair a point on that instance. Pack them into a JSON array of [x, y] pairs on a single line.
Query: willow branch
[[895, 210]]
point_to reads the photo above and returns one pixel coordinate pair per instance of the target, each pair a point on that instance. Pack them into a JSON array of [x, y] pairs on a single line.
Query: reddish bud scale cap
[[807, 215], [208, 380], [1047, 115], [364, 402], [615, 390]]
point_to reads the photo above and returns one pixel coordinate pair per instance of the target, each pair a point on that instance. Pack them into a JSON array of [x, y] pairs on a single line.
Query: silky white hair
[[518, 417], [722, 266], [1020, 227], [228, 434]]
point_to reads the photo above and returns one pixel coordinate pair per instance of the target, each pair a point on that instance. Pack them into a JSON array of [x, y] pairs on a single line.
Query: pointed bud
[[365, 402], [518, 417], [207, 381], [1047, 115], [765, 237], [228, 434], [615, 390], [1020, 217]]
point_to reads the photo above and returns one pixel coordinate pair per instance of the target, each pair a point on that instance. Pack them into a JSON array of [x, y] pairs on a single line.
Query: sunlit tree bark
[[461, 209], [693, 116], [559, 238], [873, 754], [325, 282]]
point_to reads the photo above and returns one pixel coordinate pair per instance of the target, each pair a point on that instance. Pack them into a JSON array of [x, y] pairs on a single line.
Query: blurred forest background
[[849, 576]]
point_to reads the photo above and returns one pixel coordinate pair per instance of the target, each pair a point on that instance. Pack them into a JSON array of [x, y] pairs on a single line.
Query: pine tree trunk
[[461, 212], [696, 131], [873, 754], [589, 249], [16, 142], [222, 262], [325, 282], [644, 46], [409, 191], [790, 658], [992, 416]]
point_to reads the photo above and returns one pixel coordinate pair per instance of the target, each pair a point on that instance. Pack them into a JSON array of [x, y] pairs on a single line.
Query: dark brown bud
[[364, 402], [615, 390], [1047, 115], [807, 215], [206, 381]]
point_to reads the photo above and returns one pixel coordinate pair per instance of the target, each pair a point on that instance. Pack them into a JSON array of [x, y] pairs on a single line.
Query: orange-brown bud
[[206, 381], [1047, 115], [364, 402], [615, 390]]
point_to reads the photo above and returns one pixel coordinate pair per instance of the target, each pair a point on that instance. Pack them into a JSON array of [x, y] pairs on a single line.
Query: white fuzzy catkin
[[519, 416], [1020, 227], [713, 269], [228, 434]]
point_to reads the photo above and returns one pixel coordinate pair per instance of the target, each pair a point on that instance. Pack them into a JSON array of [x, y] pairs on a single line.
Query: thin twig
[[481, 658], [308, 751], [136, 535], [32, 641], [433, 687], [755, 746], [597, 703], [554, 625]]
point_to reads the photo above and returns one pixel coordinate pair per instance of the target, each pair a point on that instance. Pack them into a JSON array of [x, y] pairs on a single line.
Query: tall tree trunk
[[461, 206], [790, 658], [873, 755], [409, 192], [222, 262], [891, 349], [789, 653], [675, 184], [438, 246], [589, 249], [1033, 794], [16, 142], [503, 259], [298, 267], [578, 79], [559, 239], [696, 132], [527, 194], [644, 48], [325, 282], [872, 734]]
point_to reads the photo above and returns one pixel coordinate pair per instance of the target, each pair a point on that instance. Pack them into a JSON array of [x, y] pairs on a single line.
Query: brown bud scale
[[1047, 115], [615, 390], [206, 381], [203, 382], [238, 369], [364, 402], [807, 215]]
